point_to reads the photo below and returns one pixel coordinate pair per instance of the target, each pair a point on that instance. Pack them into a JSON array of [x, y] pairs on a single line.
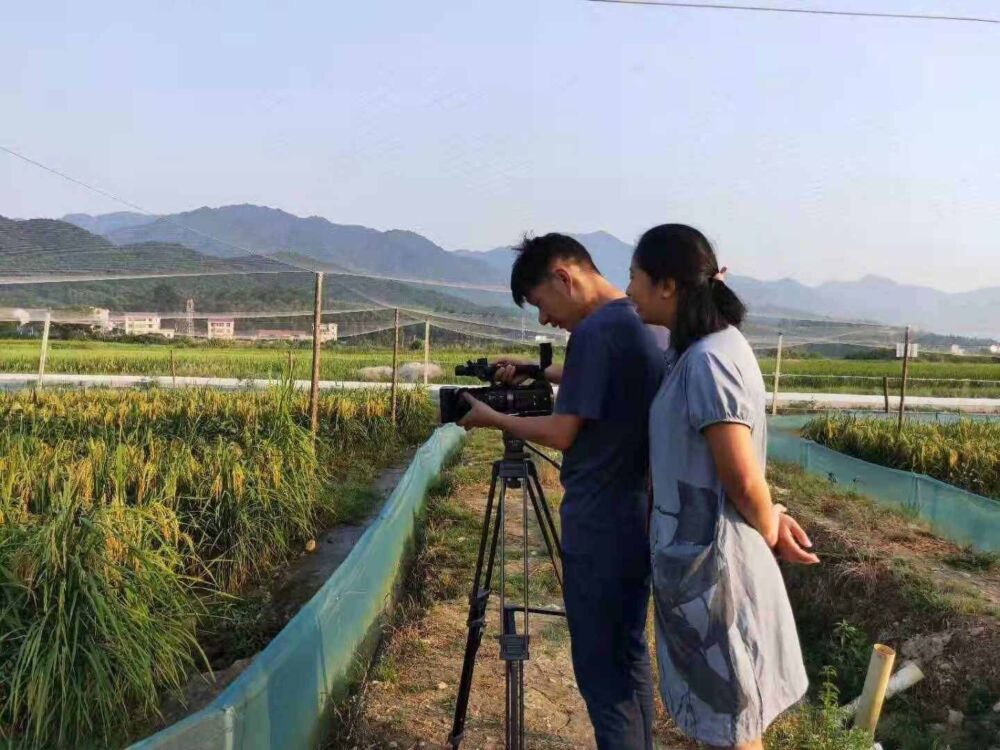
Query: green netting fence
[[282, 700], [954, 513]]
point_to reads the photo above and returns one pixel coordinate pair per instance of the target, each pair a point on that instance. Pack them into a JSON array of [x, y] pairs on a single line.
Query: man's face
[[554, 297]]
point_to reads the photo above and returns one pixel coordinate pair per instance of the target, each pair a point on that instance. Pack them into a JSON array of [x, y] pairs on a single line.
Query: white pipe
[[906, 677]]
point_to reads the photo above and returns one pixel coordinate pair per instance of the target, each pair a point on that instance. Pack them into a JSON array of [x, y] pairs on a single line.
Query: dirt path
[[409, 697]]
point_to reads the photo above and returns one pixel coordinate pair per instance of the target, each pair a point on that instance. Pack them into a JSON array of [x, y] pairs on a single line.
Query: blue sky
[[816, 148]]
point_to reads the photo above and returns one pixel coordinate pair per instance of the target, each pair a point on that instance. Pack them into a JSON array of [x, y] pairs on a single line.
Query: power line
[[804, 11]]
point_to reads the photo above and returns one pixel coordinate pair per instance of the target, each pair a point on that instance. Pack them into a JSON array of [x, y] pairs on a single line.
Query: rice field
[[128, 518], [959, 379], [343, 362], [234, 361], [962, 453]]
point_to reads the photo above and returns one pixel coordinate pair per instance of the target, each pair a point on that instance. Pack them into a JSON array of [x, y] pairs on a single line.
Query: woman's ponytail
[[705, 303]]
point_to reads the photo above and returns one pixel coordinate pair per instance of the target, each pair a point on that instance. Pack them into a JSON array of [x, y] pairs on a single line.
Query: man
[[612, 370]]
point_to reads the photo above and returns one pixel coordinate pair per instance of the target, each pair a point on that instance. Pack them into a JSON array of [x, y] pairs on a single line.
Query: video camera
[[530, 399]]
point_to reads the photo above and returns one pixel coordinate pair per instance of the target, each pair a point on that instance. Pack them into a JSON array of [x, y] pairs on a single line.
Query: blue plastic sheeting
[[954, 513], [282, 700]]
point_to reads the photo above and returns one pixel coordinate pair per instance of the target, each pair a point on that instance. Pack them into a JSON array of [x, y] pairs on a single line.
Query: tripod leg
[[514, 690], [544, 515], [478, 599]]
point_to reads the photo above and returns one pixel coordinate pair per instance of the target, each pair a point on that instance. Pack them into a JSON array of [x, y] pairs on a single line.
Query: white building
[[221, 328], [278, 334], [327, 332], [135, 324], [956, 350], [102, 318]]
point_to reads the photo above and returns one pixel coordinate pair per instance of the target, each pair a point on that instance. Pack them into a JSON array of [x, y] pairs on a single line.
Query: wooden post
[[427, 348], [395, 361], [777, 375], [173, 368], [43, 355], [291, 365], [885, 391], [314, 387], [902, 386], [876, 682]]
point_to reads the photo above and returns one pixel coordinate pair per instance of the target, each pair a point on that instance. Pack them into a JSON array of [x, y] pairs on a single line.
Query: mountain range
[[227, 233]]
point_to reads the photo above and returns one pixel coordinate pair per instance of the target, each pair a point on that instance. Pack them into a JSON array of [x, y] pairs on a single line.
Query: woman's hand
[[793, 543], [479, 415]]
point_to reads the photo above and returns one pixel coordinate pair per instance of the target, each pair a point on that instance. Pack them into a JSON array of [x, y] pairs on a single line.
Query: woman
[[728, 653]]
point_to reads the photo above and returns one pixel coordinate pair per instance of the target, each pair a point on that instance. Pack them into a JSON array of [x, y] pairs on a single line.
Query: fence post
[[395, 360], [43, 355], [885, 391], [777, 375], [902, 386], [173, 368], [314, 386], [291, 364], [427, 348]]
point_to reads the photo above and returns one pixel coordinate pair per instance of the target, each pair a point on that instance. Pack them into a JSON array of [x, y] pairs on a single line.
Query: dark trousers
[[606, 604]]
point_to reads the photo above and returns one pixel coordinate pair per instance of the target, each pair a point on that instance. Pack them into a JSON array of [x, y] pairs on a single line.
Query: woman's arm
[[743, 477]]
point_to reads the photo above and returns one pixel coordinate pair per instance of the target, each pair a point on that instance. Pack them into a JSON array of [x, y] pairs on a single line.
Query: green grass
[[233, 360], [963, 453], [342, 362], [865, 376], [974, 560], [130, 519], [817, 726]]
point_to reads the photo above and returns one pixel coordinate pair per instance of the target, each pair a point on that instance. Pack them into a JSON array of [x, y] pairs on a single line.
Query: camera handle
[[515, 470]]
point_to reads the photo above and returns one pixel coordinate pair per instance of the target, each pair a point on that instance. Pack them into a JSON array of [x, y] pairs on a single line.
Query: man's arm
[[507, 375], [553, 431]]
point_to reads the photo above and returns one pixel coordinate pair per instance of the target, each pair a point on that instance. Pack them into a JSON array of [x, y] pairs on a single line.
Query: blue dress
[[726, 644]]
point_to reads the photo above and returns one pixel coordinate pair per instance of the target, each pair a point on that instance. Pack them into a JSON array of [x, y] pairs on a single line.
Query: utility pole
[[395, 361], [777, 376], [43, 355], [314, 386], [902, 387], [427, 348]]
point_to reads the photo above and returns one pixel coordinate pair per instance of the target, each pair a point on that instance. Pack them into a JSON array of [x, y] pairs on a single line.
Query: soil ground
[[408, 698], [884, 578]]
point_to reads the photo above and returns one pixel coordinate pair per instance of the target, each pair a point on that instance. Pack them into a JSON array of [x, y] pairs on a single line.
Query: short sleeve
[[716, 392], [586, 374]]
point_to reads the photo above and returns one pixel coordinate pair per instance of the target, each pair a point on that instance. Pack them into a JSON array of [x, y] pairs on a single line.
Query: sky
[[810, 147]]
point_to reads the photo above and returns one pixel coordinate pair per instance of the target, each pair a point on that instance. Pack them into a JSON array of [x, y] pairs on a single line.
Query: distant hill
[[105, 223], [230, 230], [39, 248], [874, 298], [405, 254]]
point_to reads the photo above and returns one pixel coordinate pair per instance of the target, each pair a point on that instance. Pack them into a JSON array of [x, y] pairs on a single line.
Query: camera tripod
[[515, 470]]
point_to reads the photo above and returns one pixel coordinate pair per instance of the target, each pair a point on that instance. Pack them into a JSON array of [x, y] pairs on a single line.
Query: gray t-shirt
[[613, 368]]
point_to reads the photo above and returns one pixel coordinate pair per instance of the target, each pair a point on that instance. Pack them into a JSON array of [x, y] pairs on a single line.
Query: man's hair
[[535, 256]]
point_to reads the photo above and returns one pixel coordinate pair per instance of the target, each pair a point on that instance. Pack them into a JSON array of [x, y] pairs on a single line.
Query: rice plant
[[123, 515], [963, 453]]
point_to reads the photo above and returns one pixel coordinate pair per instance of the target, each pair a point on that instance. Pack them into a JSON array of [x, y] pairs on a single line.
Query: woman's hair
[[704, 303]]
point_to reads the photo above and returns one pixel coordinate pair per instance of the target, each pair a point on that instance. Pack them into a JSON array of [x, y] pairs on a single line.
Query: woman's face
[[656, 302]]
